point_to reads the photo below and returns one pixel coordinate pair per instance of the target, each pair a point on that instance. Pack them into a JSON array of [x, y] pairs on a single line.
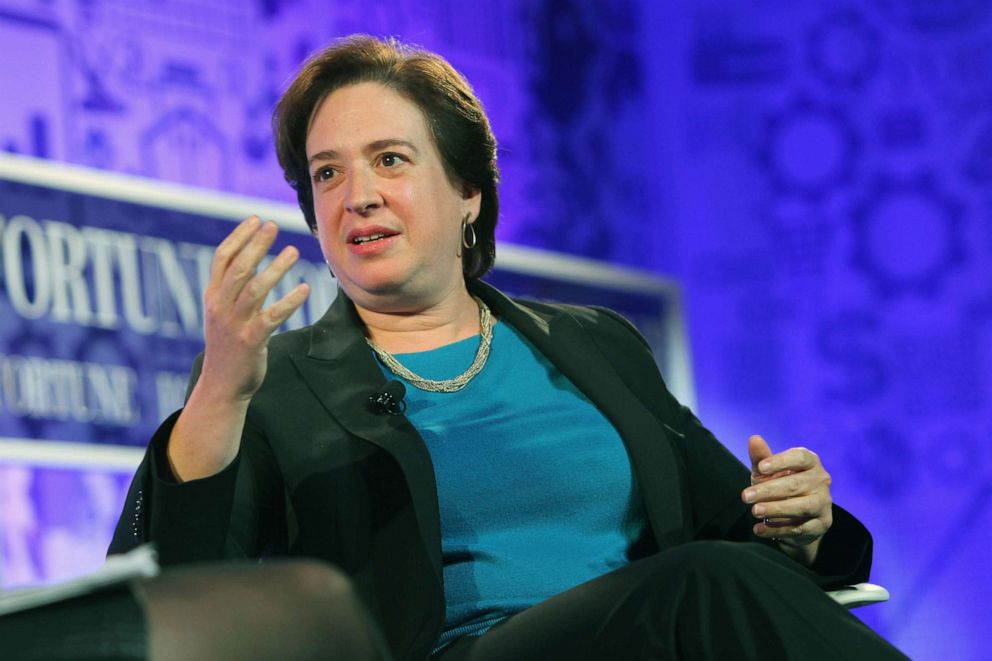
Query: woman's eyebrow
[[325, 155], [377, 145], [391, 142]]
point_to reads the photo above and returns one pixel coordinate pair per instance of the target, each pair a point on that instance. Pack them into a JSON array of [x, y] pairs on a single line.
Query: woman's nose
[[363, 196]]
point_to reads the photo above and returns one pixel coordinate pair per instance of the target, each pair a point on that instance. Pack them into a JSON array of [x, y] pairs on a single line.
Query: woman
[[543, 495]]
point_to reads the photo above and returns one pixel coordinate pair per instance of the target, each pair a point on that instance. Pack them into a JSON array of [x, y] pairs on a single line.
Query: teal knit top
[[534, 484]]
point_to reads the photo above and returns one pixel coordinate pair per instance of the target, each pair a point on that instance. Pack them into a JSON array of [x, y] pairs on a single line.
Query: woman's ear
[[473, 200]]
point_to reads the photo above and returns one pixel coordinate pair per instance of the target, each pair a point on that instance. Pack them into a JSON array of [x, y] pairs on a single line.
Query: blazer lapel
[[342, 374], [568, 346]]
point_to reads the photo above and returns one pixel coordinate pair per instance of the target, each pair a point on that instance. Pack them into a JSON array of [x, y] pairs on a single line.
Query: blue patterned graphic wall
[[817, 175]]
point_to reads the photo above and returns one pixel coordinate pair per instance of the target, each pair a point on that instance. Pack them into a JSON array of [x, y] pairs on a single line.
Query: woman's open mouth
[[370, 240]]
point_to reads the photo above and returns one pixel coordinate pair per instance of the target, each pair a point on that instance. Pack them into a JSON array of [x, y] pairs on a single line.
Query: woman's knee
[[310, 583], [325, 607], [293, 609]]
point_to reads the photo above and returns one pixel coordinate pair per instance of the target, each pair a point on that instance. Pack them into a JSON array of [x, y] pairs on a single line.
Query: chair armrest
[[860, 594]]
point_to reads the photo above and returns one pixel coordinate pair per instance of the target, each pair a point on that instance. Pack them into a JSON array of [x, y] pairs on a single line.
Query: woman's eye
[[391, 160], [323, 174]]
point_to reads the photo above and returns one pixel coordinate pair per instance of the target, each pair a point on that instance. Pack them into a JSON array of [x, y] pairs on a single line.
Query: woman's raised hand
[[207, 435], [236, 326]]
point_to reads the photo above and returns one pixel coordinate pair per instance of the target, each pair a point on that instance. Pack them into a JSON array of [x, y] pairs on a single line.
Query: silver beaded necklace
[[445, 385]]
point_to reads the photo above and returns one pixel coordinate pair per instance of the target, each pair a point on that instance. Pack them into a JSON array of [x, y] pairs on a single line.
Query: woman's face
[[388, 218]]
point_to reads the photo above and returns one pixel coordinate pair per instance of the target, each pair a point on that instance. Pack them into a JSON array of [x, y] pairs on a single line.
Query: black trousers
[[703, 600]]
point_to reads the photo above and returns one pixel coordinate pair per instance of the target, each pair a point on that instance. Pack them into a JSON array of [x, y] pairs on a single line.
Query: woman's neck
[[453, 318]]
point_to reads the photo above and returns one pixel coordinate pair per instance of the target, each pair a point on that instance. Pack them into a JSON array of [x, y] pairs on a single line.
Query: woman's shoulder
[[593, 318]]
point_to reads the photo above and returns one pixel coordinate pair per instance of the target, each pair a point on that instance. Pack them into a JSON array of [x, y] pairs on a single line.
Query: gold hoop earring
[[468, 243]]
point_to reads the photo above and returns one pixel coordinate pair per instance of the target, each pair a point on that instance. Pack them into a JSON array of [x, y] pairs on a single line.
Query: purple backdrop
[[816, 174]]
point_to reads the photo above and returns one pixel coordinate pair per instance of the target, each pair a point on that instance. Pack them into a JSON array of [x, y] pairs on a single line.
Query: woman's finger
[[231, 246], [800, 530], [243, 265], [276, 314], [796, 459], [254, 292], [788, 486], [803, 507]]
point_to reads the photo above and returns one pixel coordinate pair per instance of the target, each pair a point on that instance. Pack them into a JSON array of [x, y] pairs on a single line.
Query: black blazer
[[320, 474]]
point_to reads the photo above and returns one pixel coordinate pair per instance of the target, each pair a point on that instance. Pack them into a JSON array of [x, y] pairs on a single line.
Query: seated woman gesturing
[[542, 495]]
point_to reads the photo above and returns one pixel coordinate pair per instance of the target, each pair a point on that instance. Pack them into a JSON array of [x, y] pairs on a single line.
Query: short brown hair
[[455, 117]]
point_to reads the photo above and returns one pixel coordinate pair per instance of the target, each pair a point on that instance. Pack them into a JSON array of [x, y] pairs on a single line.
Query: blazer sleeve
[[230, 515], [715, 477]]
